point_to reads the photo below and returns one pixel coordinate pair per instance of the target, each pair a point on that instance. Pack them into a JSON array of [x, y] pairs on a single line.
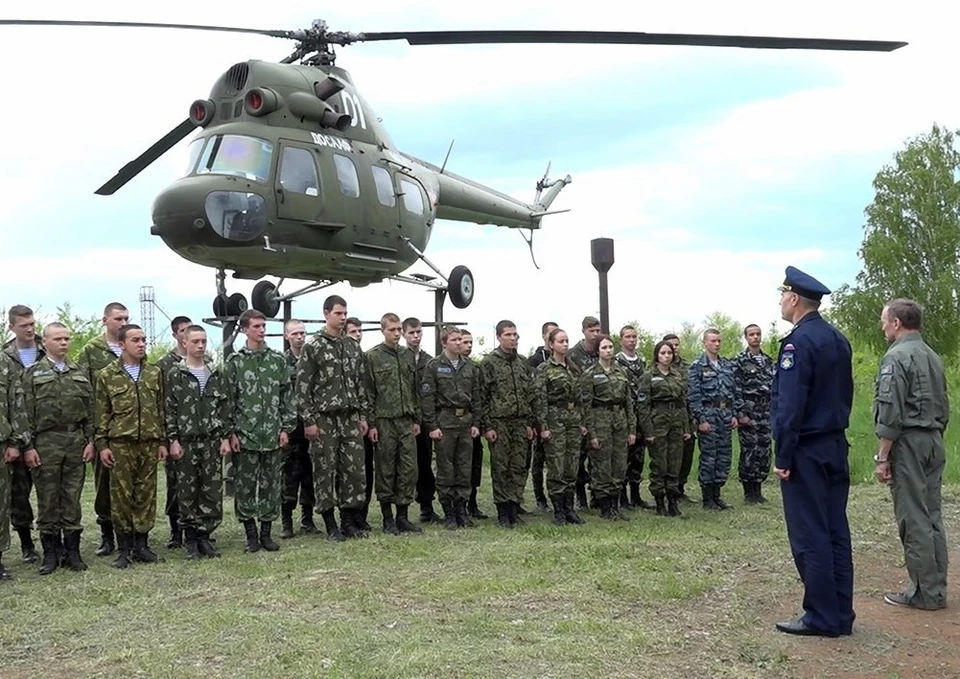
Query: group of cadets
[[327, 426]]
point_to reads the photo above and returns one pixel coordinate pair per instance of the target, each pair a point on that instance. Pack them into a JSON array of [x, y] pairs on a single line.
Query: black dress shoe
[[801, 628]]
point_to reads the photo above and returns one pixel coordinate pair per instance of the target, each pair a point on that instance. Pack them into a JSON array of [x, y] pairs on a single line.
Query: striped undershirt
[[202, 375]]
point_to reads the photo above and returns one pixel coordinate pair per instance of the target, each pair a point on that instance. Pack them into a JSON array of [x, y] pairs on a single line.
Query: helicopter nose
[[197, 211]]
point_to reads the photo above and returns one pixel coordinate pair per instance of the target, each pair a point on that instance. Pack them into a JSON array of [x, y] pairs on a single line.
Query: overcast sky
[[711, 168]]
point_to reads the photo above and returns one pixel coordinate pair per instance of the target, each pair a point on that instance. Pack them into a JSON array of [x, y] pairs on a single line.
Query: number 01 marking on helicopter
[[351, 106], [331, 142]]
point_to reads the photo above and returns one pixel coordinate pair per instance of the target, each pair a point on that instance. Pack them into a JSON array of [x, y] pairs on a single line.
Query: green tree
[[911, 244]]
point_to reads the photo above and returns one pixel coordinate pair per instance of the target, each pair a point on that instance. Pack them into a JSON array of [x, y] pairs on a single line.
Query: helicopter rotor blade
[[137, 24], [629, 38], [137, 165]]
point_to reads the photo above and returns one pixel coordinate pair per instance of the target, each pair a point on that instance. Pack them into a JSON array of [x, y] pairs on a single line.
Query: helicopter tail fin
[[553, 187]]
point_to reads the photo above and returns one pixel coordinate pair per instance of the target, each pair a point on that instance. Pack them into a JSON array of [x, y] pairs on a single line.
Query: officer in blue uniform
[[811, 398]]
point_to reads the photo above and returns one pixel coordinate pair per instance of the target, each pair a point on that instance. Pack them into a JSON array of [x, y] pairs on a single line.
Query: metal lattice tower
[[147, 302]]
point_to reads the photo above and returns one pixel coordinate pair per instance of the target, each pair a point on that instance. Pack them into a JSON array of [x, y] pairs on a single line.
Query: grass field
[[655, 597]]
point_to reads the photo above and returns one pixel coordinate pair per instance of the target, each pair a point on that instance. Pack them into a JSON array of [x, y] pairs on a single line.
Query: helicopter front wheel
[[232, 305], [265, 299], [460, 287]]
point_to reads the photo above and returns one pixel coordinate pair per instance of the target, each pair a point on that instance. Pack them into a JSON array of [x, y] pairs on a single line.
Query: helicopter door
[[298, 185], [414, 216]]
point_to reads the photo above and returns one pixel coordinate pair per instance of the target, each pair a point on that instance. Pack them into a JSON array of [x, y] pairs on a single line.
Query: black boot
[[403, 522], [581, 492], [142, 551], [757, 493], [747, 492], [559, 517], [306, 520], [176, 534], [624, 500], [125, 556], [205, 545], [473, 508], [503, 515], [673, 506], [637, 498], [661, 505], [330, 524], [708, 501], [449, 517], [361, 517], [568, 511], [539, 494], [253, 540], [51, 552], [615, 509], [266, 540], [71, 545], [107, 544], [719, 500], [348, 525], [605, 505], [515, 512], [191, 547], [463, 516], [427, 515], [389, 525], [286, 520], [27, 547]]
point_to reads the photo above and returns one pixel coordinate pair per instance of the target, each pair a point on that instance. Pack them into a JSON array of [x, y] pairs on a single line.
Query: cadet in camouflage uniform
[[634, 365], [96, 355], [608, 404], [451, 418], [560, 424], [426, 480], [333, 405], [354, 330], [58, 402], [391, 383], [261, 419], [22, 351], [12, 436], [662, 407], [476, 461], [716, 406], [583, 355], [753, 371], [178, 327], [690, 444], [507, 405], [297, 467], [539, 356], [130, 437], [197, 413]]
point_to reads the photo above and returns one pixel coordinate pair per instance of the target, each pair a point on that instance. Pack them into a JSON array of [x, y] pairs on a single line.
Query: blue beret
[[803, 284]]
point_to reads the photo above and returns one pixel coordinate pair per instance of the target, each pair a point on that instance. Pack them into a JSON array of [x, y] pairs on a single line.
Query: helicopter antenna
[[447, 157]]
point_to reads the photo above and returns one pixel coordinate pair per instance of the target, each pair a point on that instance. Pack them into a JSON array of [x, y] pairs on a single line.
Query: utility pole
[[601, 255], [147, 301]]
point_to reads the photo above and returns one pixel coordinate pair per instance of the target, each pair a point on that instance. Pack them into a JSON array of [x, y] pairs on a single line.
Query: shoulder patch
[[786, 361], [886, 369]]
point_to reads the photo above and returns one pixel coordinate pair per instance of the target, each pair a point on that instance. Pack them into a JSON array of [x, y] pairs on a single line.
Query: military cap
[[803, 284]]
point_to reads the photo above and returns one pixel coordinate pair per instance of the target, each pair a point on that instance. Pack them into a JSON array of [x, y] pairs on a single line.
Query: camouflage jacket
[[94, 357], [168, 360], [662, 402], [507, 388], [582, 358], [558, 388], [10, 351], [191, 414], [708, 385], [260, 395], [13, 426], [602, 389], [445, 387], [54, 399], [330, 378], [754, 377], [635, 370], [128, 410], [391, 382], [421, 358], [294, 396]]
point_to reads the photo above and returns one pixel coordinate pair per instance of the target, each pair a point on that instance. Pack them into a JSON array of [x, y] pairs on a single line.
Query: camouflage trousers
[[4, 507], [200, 485], [21, 485], [562, 451], [101, 499], [298, 472], [608, 465], [508, 460], [59, 480], [454, 452], [395, 462], [754, 463], [133, 485], [172, 506], [257, 477], [716, 447], [338, 462]]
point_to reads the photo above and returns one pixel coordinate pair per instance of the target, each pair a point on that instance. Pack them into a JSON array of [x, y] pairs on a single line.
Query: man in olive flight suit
[[584, 354], [12, 437]]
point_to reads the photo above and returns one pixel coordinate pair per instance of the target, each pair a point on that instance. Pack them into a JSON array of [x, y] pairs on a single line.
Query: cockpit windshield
[[237, 156]]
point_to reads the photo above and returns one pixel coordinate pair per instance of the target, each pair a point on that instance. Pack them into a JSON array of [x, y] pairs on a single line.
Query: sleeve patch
[[886, 369], [786, 361]]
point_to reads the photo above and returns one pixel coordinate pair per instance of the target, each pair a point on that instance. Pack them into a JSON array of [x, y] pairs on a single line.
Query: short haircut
[[249, 315], [548, 324], [53, 325], [670, 336], [589, 322], [907, 311], [292, 322], [448, 332], [660, 345], [354, 321], [388, 317], [465, 332], [411, 323], [124, 329], [18, 311], [332, 301], [178, 321], [747, 328], [503, 325], [625, 328], [195, 328], [710, 331], [114, 306]]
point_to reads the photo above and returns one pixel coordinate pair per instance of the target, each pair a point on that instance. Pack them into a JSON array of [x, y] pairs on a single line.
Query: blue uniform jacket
[[812, 389]]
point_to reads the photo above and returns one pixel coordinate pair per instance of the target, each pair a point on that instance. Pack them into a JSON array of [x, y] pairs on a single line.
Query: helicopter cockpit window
[[412, 198], [193, 152], [385, 193], [347, 174], [298, 173], [237, 156]]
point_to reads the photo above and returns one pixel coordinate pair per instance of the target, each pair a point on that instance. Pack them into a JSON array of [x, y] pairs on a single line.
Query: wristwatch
[[876, 458]]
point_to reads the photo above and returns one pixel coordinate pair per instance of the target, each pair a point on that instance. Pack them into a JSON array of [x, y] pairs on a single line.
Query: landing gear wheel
[[460, 287], [236, 304], [220, 306], [264, 299]]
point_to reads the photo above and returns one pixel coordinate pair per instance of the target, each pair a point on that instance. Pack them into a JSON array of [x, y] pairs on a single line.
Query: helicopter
[[291, 173]]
